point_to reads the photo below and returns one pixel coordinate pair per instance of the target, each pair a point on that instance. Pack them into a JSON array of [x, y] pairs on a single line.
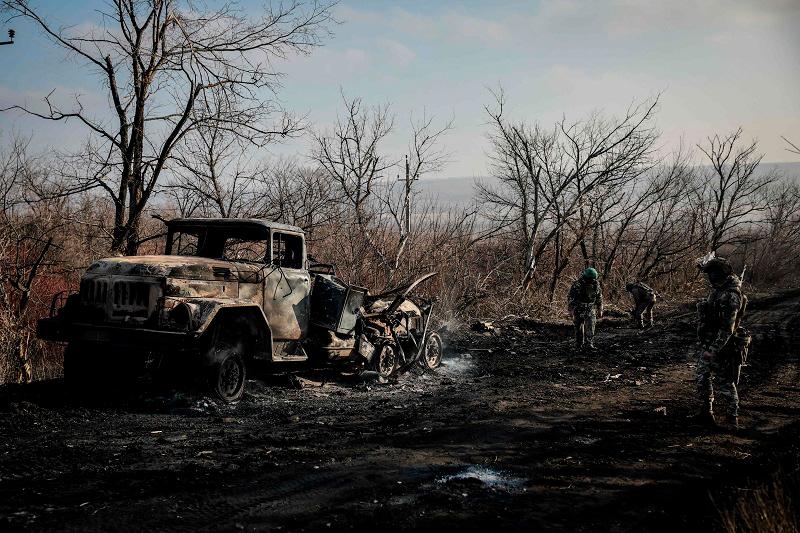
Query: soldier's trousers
[[720, 376], [584, 318], [643, 313]]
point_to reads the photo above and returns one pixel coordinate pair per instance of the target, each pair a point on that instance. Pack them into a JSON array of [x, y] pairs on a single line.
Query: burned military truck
[[228, 293]]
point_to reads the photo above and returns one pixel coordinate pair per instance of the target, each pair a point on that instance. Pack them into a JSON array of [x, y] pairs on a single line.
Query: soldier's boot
[[732, 422], [706, 419], [705, 416], [579, 338]]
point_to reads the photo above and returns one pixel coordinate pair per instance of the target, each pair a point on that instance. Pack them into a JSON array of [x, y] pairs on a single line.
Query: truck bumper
[[53, 329]]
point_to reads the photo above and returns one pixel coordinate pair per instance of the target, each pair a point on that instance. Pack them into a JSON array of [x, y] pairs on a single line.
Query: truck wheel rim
[[230, 377], [433, 352], [386, 362]]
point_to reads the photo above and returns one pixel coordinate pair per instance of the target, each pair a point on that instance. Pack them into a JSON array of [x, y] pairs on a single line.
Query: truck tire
[[225, 359], [384, 362], [228, 378], [432, 356]]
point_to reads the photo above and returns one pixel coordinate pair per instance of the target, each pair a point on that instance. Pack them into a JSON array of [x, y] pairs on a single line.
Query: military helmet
[[717, 265], [590, 273]]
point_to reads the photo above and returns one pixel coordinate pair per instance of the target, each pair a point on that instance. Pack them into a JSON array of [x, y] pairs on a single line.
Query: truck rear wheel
[[432, 357]]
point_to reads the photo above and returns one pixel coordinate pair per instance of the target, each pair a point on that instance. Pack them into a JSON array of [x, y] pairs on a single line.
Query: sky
[[718, 65]]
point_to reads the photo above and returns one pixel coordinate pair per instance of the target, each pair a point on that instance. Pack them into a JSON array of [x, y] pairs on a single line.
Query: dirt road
[[514, 432]]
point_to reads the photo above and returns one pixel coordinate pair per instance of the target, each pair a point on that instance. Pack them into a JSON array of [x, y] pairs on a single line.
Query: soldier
[[585, 304], [724, 344], [644, 298]]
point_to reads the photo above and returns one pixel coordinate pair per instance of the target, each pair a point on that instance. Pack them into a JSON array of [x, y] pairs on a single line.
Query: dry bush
[[766, 509], [29, 260]]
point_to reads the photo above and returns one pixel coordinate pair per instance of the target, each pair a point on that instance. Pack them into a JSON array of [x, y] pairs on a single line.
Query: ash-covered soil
[[514, 432]]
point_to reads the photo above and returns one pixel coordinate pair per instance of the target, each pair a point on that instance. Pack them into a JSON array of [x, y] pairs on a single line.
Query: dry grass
[[766, 509]]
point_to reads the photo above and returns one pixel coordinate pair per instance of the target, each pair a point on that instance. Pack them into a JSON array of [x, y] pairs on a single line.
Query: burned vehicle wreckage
[[226, 294]]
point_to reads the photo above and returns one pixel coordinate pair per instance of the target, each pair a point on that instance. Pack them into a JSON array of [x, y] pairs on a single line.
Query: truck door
[[287, 286]]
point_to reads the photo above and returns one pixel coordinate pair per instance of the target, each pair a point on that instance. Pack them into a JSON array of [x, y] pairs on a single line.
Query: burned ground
[[514, 431]]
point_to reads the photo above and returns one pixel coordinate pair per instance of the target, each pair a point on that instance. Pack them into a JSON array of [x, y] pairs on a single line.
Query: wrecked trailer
[[372, 332], [225, 294]]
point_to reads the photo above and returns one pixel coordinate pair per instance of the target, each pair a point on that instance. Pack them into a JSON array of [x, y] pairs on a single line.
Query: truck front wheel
[[225, 362], [228, 378]]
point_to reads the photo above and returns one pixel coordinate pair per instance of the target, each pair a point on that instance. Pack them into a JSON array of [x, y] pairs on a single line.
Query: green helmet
[[590, 273]]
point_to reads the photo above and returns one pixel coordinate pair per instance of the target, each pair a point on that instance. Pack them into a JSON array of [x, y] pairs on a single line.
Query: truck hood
[[175, 266]]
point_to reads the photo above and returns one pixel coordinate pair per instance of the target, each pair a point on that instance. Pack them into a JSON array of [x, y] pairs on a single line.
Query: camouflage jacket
[[641, 292], [585, 292], [720, 313]]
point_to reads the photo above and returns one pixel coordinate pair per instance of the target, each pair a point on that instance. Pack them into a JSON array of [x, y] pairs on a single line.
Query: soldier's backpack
[[647, 287]]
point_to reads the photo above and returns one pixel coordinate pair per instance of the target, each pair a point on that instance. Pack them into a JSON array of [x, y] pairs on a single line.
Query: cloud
[[470, 28], [355, 59], [399, 55], [449, 25], [329, 62], [593, 88]]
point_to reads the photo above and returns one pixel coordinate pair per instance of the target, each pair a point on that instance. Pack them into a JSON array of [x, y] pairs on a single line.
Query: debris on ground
[[482, 326], [302, 383]]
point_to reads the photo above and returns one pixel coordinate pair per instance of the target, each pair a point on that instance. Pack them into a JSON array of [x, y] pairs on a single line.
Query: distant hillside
[[787, 170], [461, 190]]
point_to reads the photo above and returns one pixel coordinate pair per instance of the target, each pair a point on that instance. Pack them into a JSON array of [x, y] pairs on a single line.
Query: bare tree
[[793, 148], [775, 252], [213, 172], [157, 60], [629, 225], [296, 194], [730, 197], [351, 154], [546, 176], [425, 155]]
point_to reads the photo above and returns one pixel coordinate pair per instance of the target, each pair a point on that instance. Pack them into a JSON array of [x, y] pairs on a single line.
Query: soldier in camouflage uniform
[[724, 344], [644, 298], [585, 304]]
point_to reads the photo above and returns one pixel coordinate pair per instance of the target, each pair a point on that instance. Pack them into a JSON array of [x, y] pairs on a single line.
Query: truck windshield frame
[[246, 244]]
